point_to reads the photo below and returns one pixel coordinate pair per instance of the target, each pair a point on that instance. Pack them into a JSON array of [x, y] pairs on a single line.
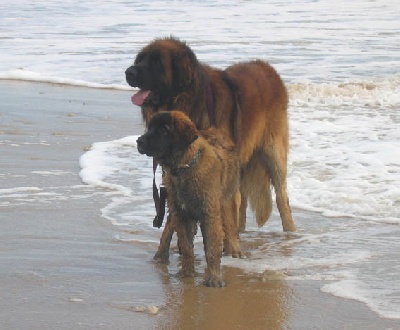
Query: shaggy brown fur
[[248, 101], [201, 175]]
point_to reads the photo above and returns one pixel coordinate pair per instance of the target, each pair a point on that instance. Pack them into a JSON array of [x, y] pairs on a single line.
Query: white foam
[[98, 163], [24, 75], [373, 92], [378, 92], [309, 265], [380, 301], [19, 190], [55, 173], [106, 160], [26, 195], [346, 161]]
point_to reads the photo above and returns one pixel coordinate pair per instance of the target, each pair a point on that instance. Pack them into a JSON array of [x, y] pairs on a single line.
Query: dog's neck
[[177, 163], [176, 171]]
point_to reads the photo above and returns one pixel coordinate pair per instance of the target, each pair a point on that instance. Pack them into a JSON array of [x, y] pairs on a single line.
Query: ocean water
[[341, 64]]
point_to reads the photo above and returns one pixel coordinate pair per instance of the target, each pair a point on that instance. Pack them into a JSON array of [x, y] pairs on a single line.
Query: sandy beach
[[60, 264]]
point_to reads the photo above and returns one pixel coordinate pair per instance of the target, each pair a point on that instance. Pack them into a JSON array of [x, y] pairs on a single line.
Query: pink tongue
[[139, 97]]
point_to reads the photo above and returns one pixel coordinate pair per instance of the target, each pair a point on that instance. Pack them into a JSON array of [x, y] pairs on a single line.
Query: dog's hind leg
[[256, 184], [230, 219], [162, 254], [276, 161], [242, 212]]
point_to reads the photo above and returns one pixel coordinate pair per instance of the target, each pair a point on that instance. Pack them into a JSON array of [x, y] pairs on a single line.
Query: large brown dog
[[248, 101], [201, 174]]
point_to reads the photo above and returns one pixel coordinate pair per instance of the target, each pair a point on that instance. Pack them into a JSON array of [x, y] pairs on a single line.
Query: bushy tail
[[256, 185]]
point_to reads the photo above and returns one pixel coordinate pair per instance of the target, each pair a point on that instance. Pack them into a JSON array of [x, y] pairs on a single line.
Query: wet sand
[[60, 264]]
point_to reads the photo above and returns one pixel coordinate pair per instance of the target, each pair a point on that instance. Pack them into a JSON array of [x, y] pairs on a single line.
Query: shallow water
[[341, 64]]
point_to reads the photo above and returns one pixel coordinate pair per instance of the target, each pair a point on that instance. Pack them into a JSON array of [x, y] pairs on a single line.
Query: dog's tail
[[256, 185]]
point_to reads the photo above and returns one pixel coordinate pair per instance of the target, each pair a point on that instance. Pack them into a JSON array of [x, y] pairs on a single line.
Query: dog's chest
[[187, 197]]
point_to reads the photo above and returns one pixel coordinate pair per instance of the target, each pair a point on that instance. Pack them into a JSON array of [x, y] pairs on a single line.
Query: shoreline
[[61, 265]]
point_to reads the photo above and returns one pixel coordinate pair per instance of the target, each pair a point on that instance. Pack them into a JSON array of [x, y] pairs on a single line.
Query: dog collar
[[179, 170]]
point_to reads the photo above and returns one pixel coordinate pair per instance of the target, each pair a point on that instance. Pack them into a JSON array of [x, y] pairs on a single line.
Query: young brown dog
[[201, 175]]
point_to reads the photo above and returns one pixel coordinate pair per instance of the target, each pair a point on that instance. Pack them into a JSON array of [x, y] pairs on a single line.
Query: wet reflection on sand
[[259, 301]]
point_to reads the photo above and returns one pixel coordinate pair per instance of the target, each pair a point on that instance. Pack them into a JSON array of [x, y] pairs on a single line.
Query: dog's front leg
[[213, 236], [185, 230], [162, 255]]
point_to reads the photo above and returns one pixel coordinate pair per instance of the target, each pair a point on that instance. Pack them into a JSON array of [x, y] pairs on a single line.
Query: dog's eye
[[158, 62], [138, 59], [164, 131]]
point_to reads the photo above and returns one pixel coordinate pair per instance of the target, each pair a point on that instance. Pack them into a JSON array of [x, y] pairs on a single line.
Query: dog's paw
[[214, 283], [186, 272], [161, 258], [237, 254]]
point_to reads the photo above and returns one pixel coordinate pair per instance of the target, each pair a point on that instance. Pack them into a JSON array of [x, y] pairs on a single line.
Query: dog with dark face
[[201, 175], [247, 101]]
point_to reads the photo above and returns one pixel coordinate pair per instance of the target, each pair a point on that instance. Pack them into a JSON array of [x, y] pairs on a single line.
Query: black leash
[[159, 199]]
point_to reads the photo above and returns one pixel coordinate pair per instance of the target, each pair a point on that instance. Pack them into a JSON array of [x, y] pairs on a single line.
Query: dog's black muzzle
[[132, 76], [141, 145]]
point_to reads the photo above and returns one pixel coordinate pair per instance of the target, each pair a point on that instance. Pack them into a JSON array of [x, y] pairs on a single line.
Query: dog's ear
[[183, 65], [185, 132]]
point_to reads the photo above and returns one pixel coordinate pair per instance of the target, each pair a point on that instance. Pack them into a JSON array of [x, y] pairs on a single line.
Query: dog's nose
[[131, 75], [131, 71], [140, 144]]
